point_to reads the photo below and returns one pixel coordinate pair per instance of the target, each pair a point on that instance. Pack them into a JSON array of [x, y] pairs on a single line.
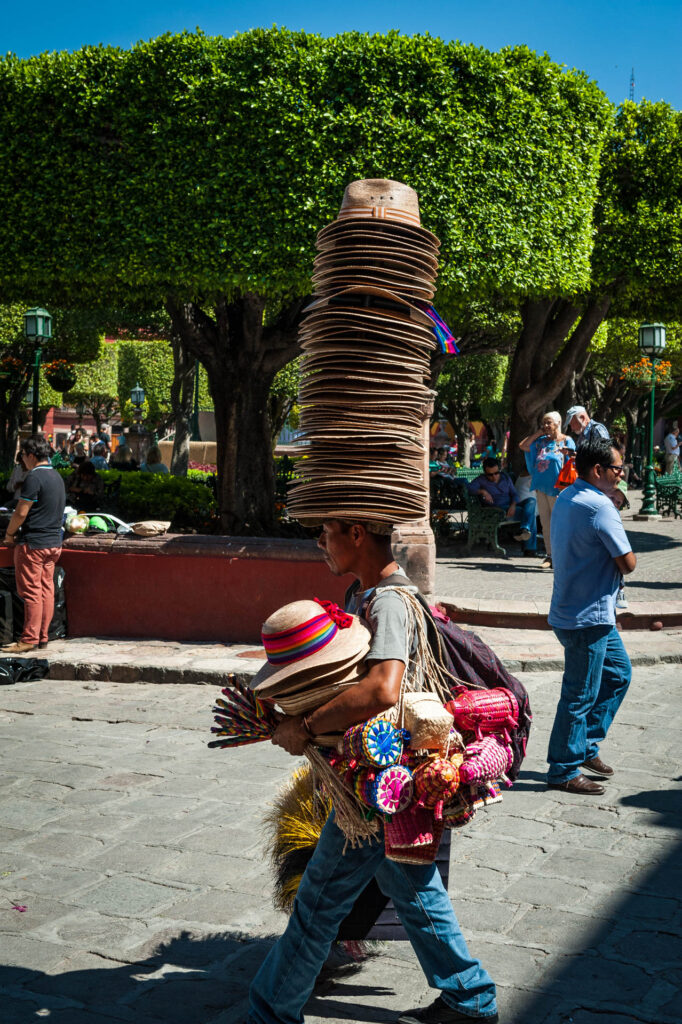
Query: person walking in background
[[547, 450], [154, 463], [85, 488], [578, 420], [35, 532], [591, 552], [672, 450], [496, 489]]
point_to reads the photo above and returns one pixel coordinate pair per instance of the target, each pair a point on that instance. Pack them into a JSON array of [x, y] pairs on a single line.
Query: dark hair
[[490, 462], [38, 446], [598, 451], [99, 449], [86, 469]]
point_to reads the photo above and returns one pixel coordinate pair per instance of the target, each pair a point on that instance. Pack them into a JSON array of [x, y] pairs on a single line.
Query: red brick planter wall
[[180, 587]]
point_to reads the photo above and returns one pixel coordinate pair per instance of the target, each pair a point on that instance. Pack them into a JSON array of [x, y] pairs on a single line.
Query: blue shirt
[[593, 429], [546, 462], [501, 490], [587, 535]]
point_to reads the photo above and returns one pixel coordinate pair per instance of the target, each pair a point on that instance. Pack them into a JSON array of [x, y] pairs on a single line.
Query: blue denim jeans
[[328, 889], [526, 513], [597, 674]]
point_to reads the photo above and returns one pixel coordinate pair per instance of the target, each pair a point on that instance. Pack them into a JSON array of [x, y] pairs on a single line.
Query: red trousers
[[35, 584]]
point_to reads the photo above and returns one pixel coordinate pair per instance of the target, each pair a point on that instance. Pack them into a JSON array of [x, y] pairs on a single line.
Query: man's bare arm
[[17, 521], [626, 563], [376, 692]]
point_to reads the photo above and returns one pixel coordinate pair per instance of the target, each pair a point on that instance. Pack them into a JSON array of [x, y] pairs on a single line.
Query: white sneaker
[[522, 535], [621, 600]]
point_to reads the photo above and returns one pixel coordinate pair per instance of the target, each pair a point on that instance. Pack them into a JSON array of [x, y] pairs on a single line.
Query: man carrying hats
[[338, 872], [591, 552], [578, 420]]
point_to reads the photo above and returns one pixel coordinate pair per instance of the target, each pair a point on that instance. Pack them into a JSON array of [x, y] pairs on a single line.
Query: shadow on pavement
[[647, 540], [189, 980], [628, 970]]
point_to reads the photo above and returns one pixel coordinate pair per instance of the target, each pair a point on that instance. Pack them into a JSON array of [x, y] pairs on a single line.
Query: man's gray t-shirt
[[385, 613]]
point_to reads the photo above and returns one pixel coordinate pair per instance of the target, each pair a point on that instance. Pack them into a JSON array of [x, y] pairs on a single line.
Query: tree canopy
[[196, 171]]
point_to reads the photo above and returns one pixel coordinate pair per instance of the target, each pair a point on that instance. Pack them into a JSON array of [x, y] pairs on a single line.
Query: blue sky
[[604, 38]]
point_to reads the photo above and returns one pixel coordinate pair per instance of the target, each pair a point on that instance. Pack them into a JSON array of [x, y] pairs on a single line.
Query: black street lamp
[[137, 399], [651, 342], [80, 412], [38, 329]]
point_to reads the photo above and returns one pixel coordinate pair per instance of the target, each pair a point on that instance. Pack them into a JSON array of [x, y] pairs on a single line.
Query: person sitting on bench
[[496, 489]]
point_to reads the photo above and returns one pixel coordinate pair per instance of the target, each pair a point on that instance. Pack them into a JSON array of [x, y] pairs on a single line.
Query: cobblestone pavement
[[136, 853], [658, 576]]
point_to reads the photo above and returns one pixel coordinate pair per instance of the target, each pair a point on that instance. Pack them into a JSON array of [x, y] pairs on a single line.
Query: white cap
[[575, 410]]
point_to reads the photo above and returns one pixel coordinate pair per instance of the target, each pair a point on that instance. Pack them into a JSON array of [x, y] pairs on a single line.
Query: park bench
[[484, 522], [669, 494]]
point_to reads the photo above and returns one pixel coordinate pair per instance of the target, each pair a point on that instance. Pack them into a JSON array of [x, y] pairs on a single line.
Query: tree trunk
[[241, 355], [181, 397], [11, 403], [546, 358]]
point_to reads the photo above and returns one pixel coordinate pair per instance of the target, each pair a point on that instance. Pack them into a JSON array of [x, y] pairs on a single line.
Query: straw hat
[[305, 637]]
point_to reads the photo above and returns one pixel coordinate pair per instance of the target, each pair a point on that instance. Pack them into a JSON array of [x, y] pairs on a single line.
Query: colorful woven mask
[[388, 790]]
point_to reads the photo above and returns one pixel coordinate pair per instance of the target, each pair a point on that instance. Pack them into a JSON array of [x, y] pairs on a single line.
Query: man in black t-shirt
[[35, 531]]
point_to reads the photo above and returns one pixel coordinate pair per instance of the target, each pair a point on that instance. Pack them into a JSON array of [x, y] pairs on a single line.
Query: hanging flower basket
[[638, 375], [60, 375], [11, 372]]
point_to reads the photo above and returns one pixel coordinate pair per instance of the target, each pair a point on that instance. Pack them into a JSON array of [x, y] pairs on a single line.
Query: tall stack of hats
[[367, 342]]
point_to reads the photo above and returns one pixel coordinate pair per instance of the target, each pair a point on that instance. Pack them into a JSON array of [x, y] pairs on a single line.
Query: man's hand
[[291, 735], [10, 541], [486, 497], [511, 511]]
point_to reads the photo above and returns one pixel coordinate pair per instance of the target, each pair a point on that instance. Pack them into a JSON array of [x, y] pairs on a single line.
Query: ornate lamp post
[[651, 343], [137, 398], [38, 329], [80, 412]]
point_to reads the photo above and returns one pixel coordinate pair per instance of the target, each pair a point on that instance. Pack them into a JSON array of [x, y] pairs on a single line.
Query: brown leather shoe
[[597, 766], [18, 648], [578, 784]]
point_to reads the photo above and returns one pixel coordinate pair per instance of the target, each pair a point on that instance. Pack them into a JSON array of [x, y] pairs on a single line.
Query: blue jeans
[[597, 674], [526, 513], [328, 889]]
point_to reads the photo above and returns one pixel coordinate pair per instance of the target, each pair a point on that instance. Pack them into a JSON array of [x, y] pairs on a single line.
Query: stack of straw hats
[[367, 344]]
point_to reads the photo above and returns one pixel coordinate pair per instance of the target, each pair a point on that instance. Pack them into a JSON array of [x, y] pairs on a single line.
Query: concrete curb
[[533, 614], [150, 673]]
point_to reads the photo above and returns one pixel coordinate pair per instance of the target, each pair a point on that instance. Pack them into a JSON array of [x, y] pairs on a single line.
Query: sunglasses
[[619, 468]]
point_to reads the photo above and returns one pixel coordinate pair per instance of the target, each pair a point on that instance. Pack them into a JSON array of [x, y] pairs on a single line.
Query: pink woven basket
[[419, 824], [484, 760], [485, 711]]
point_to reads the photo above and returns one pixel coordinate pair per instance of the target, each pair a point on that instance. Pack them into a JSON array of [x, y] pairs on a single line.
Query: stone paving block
[[501, 855], [39, 911], [583, 864], [58, 880], [486, 915], [86, 930], [28, 952], [126, 896], [64, 846], [546, 892], [132, 858], [25, 813], [8, 836], [550, 928]]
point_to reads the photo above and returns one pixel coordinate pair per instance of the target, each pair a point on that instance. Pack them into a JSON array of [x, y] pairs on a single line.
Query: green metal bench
[[669, 494], [484, 522]]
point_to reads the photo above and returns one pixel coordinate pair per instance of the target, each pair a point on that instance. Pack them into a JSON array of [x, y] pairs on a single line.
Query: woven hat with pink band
[[365, 373], [307, 641]]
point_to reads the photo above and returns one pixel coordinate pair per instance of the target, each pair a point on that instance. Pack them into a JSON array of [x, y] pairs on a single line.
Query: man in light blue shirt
[[590, 551]]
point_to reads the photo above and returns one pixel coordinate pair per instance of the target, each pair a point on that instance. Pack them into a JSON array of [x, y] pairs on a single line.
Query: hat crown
[[292, 615], [373, 193]]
